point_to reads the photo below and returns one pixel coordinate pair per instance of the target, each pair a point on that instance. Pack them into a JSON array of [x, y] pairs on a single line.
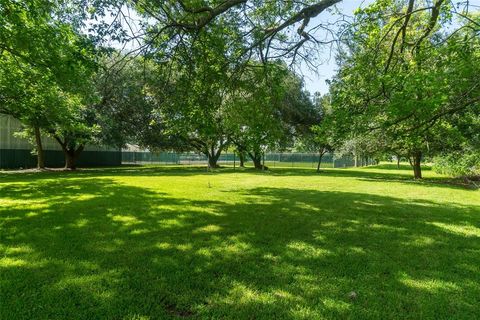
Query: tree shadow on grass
[[100, 249], [125, 170], [382, 173], [393, 166]]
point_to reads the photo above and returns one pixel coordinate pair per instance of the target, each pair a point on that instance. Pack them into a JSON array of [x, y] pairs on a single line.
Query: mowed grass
[[166, 243]]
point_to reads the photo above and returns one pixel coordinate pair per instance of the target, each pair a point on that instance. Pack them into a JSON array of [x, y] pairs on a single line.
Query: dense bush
[[459, 164]]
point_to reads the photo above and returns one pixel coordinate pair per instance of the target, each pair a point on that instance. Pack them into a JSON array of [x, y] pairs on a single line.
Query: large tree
[[44, 65], [191, 105], [406, 73], [268, 109]]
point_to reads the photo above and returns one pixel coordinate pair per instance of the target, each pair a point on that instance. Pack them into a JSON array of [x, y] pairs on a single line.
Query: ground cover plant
[[161, 243]]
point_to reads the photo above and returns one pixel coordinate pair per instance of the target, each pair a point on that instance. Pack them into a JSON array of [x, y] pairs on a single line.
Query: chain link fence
[[272, 160]]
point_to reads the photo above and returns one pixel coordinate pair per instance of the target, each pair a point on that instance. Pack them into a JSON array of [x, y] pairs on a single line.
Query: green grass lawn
[[161, 243]]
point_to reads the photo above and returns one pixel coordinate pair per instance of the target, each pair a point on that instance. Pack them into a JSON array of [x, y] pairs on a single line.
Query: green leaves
[[46, 69], [405, 74]]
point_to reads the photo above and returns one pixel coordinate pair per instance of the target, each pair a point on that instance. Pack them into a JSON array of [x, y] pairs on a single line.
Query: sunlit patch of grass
[[126, 220], [239, 293], [208, 229], [6, 262], [170, 223], [304, 250], [163, 245], [234, 247], [184, 247], [421, 241], [21, 249], [337, 305], [140, 231], [80, 223], [386, 227], [463, 230], [431, 285], [169, 243]]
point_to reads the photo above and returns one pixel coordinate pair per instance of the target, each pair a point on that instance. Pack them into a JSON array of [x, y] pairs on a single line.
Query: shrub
[[458, 164]]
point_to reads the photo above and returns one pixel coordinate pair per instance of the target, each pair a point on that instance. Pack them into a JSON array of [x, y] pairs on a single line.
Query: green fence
[[15, 152], [21, 158], [308, 160]]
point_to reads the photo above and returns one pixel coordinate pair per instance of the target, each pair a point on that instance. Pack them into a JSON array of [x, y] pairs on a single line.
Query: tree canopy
[[403, 73], [210, 75]]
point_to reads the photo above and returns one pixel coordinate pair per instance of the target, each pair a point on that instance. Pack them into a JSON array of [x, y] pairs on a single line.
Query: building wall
[[16, 152]]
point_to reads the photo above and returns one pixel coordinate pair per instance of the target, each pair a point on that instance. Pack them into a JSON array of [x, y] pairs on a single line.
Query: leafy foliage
[[407, 86]]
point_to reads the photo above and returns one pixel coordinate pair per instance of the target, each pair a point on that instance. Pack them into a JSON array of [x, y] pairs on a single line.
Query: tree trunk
[[40, 153], [416, 164], [257, 161], [398, 162], [71, 156], [241, 156], [213, 157], [212, 162], [70, 159], [320, 156]]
